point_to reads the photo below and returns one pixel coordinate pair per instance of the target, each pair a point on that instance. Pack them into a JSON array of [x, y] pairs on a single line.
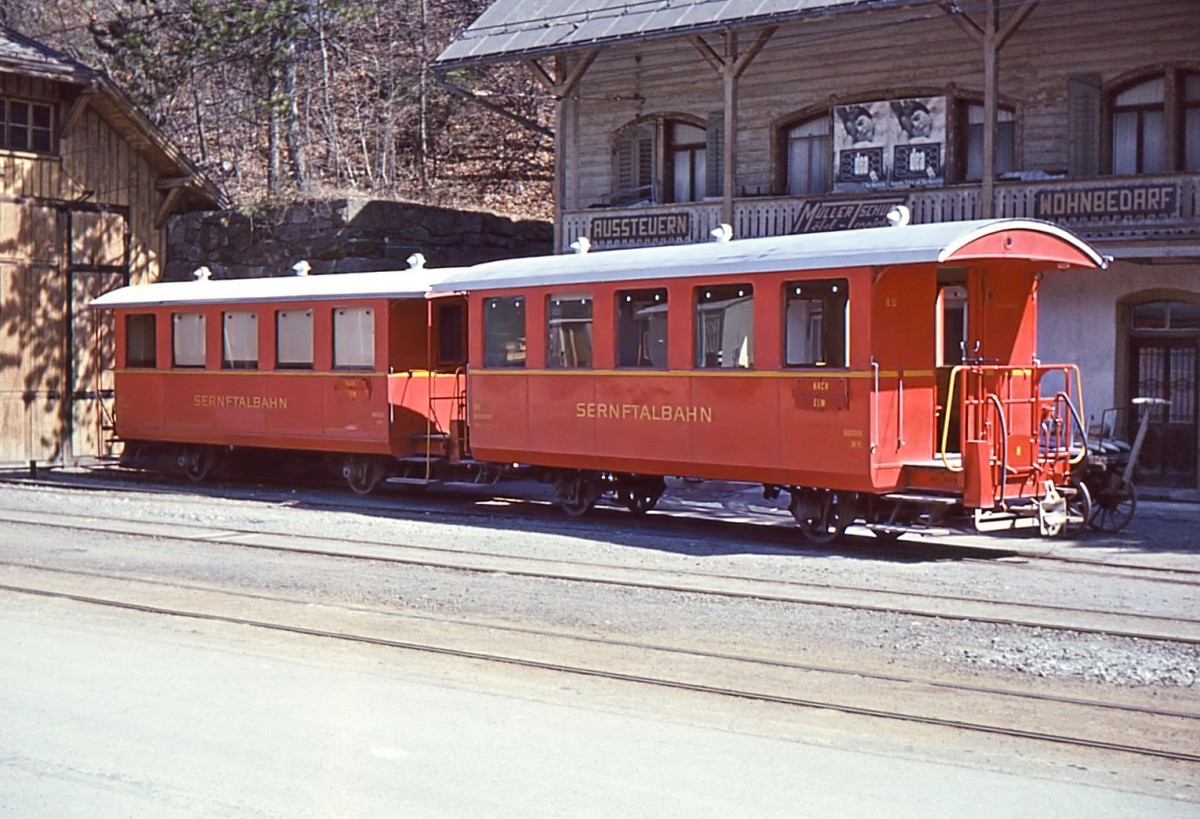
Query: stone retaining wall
[[344, 236]]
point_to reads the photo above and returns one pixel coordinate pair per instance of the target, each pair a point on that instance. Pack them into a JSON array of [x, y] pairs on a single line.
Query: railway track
[[859, 598], [1081, 723], [772, 530]]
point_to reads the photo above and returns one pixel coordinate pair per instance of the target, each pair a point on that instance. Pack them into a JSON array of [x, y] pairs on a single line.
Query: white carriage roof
[[512, 29], [910, 244], [392, 284]]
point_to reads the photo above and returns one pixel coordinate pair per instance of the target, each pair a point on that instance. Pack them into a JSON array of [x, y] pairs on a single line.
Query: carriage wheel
[[641, 496], [197, 462], [362, 473], [577, 493], [1113, 507], [818, 514], [1079, 510]]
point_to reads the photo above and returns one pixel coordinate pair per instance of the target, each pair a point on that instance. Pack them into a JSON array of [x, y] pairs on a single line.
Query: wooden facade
[[86, 185], [1087, 110]]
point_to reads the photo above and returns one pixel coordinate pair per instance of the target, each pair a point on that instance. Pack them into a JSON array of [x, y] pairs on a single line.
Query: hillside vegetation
[[278, 99]]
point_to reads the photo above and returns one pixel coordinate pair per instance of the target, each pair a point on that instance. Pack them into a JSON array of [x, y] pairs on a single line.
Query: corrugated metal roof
[[518, 28], [911, 244]]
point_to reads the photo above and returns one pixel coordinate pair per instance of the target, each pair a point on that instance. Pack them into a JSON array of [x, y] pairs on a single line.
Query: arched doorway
[[1164, 362]]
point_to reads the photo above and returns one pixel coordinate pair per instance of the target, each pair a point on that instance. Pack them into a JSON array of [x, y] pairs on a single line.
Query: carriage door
[[99, 242], [1165, 363]]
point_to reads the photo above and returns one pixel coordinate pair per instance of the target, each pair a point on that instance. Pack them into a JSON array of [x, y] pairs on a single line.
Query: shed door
[[32, 333], [99, 263]]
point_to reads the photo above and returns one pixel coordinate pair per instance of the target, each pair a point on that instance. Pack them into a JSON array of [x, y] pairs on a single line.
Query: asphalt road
[[117, 715]]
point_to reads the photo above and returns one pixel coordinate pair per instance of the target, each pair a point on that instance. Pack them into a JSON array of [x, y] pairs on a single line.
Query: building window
[[140, 340], [1155, 124], [725, 326], [569, 331], [687, 161], [187, 330], [240, 348], [809, 149], [1138, 134], [354, 338], [1006, 142], [504, 332], [668, 160], [815, 326], [294, 339], [1165, 315], [642, 328], [26, 126], [1191, 122]]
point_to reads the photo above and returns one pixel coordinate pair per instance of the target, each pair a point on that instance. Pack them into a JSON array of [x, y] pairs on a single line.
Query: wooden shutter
[[714, 153], [1083, 125], [635, 163]]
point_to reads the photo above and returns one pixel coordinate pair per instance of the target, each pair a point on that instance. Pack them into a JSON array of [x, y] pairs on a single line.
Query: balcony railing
[[1100, 209]]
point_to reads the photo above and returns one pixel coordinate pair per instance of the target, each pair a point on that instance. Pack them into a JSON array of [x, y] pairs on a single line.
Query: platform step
[[901, 529], [913, 497], [412, 481]]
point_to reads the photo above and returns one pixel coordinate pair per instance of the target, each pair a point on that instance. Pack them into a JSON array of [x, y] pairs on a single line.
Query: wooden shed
[[86, 186]]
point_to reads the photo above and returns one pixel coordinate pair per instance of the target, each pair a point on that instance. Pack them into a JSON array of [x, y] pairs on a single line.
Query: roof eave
[[441, 64]]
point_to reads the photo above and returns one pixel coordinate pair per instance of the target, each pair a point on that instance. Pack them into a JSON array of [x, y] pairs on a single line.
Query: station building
[[790, 116], [86, 186]]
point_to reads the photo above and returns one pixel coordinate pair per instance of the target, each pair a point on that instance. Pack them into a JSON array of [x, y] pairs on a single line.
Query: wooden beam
[[525, 122], [969, 26], [1014, 23], [167, 206], [167, 182], [540, 74], [707, 52], [75, 115], [729, 67], [992, 36], [743, 62]]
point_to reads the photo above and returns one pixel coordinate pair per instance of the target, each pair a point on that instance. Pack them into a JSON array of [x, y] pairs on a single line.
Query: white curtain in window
[[294, 338], [354, 337], [188, 333], [241, 339]]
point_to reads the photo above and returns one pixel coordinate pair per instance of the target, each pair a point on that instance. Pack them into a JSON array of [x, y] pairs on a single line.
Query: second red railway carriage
[[362, 368], [886, 376]]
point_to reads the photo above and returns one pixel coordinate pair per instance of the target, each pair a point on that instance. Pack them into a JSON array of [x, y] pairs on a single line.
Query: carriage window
[[725, 326], [240, 351], [188, 339], [354, 338], [569, 330], [815, 326], [450, 334], [504, 332], [642, 328], [294, 339], [140, 332]]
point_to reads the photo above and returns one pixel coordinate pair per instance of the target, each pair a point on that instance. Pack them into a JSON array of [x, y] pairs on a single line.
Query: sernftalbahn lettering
[[240, 401], [644, 412]]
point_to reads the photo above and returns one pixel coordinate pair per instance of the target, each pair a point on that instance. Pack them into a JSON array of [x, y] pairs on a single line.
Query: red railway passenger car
[[886, 376], [361, 367]]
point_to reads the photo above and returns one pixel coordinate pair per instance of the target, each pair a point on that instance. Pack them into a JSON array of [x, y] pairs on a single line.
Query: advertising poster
[[889, 144]]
